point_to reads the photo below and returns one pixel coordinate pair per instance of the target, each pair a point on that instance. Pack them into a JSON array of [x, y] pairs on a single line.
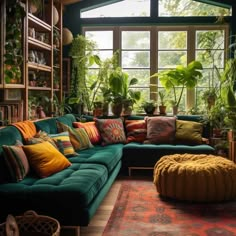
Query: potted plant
[[99, 89], [149, 107], [121, 92], [210, 96], [162, 106], [182, 77], [216, 118], [61, 107], [82, 53], [228, 96]]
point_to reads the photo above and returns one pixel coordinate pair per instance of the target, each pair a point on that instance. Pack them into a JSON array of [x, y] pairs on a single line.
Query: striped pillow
[[91, 129], [136, 130], [16, 161], [63, 143], [79, 138], [40, 137]]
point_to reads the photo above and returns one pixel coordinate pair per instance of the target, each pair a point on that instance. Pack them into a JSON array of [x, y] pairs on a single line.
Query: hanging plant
[[82, 53], [13, 43]]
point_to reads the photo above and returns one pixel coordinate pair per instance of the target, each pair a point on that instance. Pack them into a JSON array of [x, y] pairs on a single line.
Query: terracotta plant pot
[[117, 109], [162, 110]]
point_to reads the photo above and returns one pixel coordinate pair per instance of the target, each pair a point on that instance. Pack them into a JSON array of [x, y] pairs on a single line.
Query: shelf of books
[[10, 112]]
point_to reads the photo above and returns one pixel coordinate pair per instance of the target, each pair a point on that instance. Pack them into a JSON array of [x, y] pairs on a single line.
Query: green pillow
[[188, 132]]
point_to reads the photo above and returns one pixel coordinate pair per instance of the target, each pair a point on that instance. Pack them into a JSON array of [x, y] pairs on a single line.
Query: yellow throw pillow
[[45, 159], [188, 132]]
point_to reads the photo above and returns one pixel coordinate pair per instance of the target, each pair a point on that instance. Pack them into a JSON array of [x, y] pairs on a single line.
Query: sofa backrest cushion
[[67, 119], [47, 125], [50, 125]]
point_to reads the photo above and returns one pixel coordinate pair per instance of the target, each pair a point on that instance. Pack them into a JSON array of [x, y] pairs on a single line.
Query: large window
[[120, 9], [135, 58], [172, 51], [145, 51], [190, 8]]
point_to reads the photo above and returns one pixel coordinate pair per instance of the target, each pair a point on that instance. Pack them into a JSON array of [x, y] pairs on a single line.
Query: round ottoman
[[196, 177]]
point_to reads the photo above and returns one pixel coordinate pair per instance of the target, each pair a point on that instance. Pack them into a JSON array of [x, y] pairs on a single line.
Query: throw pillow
[[188, 132], [16, 162], [40, 137], [64, 144], [61, 127], [136, 130], [91, 129], [45, 159], [160, 129], [111, 130], [79, 138]]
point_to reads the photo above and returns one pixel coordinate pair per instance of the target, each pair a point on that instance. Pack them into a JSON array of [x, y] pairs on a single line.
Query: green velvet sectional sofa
[[73, 195]]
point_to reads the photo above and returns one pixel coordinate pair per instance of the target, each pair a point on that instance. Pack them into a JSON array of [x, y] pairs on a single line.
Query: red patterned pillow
[[160, 129], [136, 130], [111, 130], [91, 129]]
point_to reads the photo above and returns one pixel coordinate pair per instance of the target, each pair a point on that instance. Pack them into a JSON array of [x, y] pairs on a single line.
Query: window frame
[[191, 48]]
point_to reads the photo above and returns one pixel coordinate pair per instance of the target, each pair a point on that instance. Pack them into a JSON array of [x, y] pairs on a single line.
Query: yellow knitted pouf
[[196, 177]]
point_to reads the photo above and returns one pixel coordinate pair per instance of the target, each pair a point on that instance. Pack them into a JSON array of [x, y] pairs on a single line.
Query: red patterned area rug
[[139, 210]]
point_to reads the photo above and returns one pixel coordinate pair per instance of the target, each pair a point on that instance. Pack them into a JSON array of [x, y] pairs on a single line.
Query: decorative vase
[[55, 16], [67, 36]]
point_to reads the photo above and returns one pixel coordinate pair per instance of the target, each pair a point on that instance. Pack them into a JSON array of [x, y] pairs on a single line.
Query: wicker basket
[[30, 224]]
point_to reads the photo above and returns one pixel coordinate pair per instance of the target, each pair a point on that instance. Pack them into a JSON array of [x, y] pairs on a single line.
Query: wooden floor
[[103, 213], [100, 219]]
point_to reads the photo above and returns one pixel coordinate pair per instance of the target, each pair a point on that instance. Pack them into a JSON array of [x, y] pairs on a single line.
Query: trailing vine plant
[[14, 41]]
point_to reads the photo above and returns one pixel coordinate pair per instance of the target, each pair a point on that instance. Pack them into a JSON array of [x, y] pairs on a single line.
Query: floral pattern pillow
[[111, 130]]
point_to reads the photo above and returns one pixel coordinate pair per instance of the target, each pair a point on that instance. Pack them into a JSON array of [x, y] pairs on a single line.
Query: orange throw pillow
[[91, 129], [136, 130]]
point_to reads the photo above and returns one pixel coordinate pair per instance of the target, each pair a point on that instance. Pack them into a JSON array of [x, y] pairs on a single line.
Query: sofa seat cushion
[[136, 154], [108, 156], [75, 186]]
